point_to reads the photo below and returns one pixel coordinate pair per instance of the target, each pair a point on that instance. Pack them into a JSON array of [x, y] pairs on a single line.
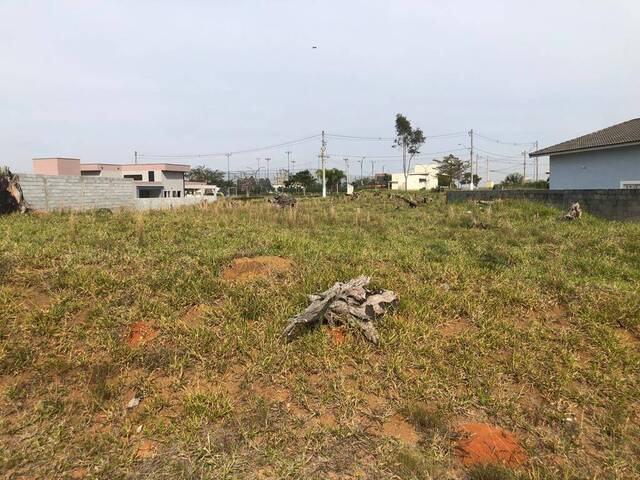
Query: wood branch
[[574, 213], [11, 197], [349, 303], [283, 200], [410, 201]]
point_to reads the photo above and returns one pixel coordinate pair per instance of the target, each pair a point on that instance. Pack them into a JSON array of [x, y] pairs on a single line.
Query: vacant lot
[[507, 316]]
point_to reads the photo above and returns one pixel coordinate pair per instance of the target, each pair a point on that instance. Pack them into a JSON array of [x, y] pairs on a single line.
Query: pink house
[[152, 180]]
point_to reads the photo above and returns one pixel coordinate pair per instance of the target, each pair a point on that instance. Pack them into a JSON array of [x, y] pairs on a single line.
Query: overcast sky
[[97, 80]]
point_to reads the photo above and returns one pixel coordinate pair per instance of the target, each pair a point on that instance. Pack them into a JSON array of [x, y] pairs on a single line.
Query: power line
[[250, 150], [495, 140]]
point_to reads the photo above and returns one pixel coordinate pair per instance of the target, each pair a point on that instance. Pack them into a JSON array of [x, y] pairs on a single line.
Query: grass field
[[531, 324]]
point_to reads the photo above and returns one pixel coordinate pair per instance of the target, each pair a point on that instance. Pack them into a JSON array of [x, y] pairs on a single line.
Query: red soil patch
[[481, 443], [245, 269], [139, 333]]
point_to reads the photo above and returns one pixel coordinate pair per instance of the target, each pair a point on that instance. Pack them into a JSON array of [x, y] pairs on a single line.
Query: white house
[[423, 177]]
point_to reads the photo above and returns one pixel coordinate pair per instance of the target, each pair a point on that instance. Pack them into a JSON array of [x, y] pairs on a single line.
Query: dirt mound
[[139, 333], [245, 268], [480, 443]]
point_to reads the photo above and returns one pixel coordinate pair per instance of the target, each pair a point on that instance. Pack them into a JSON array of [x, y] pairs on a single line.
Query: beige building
[[152, 180], [423, 177]]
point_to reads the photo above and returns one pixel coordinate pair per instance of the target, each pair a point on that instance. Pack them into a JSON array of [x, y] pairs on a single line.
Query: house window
[[179, 193], [173, 194], [152, 176], [134, 177]]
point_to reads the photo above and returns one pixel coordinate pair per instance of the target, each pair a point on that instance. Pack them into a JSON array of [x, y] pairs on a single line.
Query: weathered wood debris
[[283, 200], [574, 213], [410, 201], [349, 303], [11, 198]]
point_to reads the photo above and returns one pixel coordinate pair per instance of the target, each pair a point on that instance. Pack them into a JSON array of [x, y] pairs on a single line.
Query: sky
[[98, 80]]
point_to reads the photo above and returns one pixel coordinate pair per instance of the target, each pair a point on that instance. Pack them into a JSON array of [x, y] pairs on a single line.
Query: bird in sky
[[314, 47]]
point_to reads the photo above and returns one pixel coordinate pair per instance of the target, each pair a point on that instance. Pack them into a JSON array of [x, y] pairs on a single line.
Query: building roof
[[169, 167], [625, 133]]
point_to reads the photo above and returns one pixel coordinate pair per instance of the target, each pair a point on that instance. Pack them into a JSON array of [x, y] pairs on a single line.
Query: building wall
[[423, 176], [414, 181], [611, 204], [596, 169], [56, 166], [173, 181], [50, 193]]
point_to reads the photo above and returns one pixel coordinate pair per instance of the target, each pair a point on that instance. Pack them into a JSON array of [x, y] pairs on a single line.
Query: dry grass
[[528, 323]]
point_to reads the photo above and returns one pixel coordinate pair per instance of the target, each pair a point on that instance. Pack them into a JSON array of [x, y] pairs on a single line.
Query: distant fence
[[44, 192], [611, 204]]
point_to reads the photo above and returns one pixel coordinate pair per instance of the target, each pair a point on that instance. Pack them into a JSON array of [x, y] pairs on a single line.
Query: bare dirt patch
[[398, 428], [146, 449], [245, 269], [481, 443], [455, 327], [195, 316], [140, 333]]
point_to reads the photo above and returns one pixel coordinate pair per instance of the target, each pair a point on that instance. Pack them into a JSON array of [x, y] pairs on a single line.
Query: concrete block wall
[[50, 193], [613, 204]]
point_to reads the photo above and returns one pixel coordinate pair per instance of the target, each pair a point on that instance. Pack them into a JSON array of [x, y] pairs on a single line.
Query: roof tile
[[616, 135]]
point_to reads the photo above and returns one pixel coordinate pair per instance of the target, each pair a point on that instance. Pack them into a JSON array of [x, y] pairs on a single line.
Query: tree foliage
[[305, 179], [333, 176], [410, 140], [466, 179], [452, 168], [207, 175], [513, 179]]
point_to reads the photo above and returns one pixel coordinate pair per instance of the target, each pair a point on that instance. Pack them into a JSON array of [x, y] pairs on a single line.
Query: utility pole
[[267, 159], [372, 174], [471, 159], [361, 162], [477, 170], [346, 162], [487, 157], [229, 175], [293, 166], [323, 151], [288, 152], [524, 165], [258, 171], [135, 157], [537, 178]]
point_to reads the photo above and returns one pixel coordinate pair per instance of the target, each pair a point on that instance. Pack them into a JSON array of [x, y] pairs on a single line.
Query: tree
[[305, 179], [513, 179], [410, 140], [451, 167], [207, 175], [466, 178], [333, 176]]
